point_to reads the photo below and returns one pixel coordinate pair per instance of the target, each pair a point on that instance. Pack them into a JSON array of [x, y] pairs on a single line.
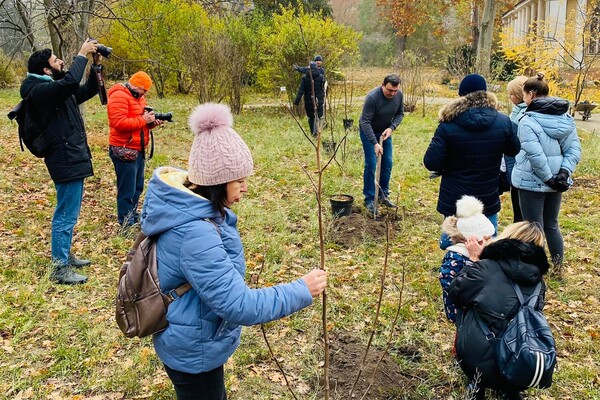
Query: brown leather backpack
[[141, 307]]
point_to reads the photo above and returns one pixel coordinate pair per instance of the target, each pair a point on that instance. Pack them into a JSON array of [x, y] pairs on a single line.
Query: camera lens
[[104, 51], [164, 116]]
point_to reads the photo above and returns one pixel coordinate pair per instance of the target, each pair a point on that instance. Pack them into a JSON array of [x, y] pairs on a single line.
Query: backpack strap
[[489, 335], [530, 300]]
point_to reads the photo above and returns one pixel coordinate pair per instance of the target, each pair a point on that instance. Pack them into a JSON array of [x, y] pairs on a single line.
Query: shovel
[[377, 175]]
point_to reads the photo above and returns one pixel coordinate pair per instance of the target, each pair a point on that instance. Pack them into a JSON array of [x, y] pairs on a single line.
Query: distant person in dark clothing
[[54, 96], [382, 113], [467, 148], [319, 61], [312, 79]]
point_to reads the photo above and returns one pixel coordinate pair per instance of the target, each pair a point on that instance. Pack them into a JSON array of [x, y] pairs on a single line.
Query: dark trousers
[[543, 207], [312, 121], [203, 386], [130, 184], [514, 198]]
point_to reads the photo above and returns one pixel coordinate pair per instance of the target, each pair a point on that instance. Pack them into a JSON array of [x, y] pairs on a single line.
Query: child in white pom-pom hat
[[468, 222]]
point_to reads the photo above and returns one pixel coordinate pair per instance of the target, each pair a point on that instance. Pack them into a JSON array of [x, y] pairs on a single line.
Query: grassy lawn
[[59, 342]]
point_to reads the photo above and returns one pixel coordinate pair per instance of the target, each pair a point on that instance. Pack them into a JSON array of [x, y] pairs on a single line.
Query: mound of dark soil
[[346, 357], [359, 226]]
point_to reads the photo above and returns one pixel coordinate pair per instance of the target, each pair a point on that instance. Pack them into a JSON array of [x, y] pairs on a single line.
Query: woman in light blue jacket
[[550, 151], [198, 242], [515, 94]]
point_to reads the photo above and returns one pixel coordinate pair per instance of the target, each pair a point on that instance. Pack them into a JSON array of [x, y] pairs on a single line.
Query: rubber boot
[[77, 262], [64, 275]]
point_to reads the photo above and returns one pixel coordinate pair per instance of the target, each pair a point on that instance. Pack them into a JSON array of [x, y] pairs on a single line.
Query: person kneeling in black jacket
[[484, 288]]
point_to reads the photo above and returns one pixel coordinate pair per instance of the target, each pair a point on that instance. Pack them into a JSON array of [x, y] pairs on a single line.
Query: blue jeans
[[371, 165], [130, 184], [69, 196]]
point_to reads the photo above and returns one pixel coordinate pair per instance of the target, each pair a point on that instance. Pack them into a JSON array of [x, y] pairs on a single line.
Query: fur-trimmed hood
[[475, 111], [523, 262]]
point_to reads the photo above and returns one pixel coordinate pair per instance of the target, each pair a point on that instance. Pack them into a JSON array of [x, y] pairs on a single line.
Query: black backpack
[[526, 352], [30, 132]]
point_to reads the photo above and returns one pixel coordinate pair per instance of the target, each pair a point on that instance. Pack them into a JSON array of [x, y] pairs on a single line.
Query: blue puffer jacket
[[204, 324], [517, 113], [467, 149], [549, 142]]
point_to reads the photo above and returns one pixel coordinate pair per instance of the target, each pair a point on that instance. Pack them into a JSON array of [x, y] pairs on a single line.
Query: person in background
[[129, 136], [469, 221], [310, 80], [515, 94], [55, 95], [198, 242], [382, 113], [318, 60], [550, 151], [484, 290], [467, 149]]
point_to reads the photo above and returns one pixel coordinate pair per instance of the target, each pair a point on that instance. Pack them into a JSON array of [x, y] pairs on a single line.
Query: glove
[[296, 103], [563, 175], [559, 186]]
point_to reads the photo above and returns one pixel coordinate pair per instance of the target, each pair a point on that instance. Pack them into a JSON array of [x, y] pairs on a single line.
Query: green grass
[[63, 342]]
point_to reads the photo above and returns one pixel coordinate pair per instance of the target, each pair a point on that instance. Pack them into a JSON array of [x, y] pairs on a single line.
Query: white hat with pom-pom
[[218, 155], [470, 218]]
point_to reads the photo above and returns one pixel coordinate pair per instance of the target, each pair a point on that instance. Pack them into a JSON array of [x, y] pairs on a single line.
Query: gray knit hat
[[218, 155]]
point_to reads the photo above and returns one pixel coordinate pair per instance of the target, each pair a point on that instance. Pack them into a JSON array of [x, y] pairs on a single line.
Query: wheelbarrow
[[585, 109]]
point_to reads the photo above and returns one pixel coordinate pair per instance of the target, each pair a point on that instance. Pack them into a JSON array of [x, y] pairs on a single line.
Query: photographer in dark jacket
[[484, 289], [54, 96]]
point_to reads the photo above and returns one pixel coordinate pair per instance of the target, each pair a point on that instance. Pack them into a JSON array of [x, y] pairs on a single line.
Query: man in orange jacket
[[129, 136]]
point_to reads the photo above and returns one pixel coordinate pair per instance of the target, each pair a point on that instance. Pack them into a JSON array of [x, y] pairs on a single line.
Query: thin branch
[[264, 334]]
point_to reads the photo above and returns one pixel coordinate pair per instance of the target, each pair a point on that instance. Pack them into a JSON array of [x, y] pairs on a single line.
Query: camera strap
[[143, 145]]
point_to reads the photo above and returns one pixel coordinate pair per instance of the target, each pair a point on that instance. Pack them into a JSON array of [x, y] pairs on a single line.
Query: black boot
[[512, 395], [64, 275], [77, 262]]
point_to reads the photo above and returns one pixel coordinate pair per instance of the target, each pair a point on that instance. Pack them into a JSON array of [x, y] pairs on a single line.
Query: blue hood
[[169, 204]]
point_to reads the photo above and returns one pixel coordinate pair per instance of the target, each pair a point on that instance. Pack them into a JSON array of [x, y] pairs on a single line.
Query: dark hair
[[216, 194], [39, 60], [391, 78], [537, 85]]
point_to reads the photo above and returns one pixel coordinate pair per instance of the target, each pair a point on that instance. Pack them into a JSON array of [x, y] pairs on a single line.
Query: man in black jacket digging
[[54, 98]]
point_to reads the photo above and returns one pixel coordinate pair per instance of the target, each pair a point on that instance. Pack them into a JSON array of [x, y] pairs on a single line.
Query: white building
[[556, 21]]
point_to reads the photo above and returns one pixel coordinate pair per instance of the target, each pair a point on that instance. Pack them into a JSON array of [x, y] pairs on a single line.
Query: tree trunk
[[474, 26], [26, 18], [486, 34]]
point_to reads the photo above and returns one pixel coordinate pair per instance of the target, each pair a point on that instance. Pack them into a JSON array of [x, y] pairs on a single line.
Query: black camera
[[103, 50], [168, 116]]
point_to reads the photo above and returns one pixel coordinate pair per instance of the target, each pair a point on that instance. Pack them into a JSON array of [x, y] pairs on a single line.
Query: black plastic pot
[[348, 122], [341, 205], [329, 146]]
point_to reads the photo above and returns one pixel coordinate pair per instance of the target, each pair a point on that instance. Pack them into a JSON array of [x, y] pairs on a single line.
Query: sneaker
[[386, 202], [77, 262], [64, 275], [371, 209]]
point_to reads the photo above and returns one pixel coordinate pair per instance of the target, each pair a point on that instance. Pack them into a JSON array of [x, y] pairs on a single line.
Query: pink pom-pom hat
[[218, 154]]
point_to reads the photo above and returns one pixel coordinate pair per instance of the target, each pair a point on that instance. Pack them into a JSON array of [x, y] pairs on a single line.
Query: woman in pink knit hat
[[198, 242]]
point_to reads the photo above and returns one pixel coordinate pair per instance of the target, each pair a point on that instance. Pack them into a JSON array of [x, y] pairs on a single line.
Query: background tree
[[269, 7], [294, 37]]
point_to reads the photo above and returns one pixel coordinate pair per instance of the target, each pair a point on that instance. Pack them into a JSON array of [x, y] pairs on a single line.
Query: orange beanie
[[141, 79]]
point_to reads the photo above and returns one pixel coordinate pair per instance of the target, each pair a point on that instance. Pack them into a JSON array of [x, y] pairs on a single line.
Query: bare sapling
[[264, 334]]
